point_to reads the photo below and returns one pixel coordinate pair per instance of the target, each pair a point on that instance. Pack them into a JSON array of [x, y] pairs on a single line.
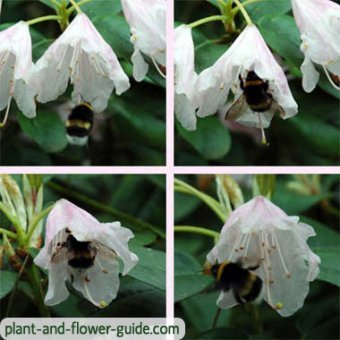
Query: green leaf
[[211, 138], [207, 51], [200, 311], [267, 7], [48, 3], [143, 238], [7, 282], [293, 203], [185, 205], [330, 264], [223, 333], [316, 134], [282, 35], [101, 7], [46, 129], [325, 237], [189, 279], [150, 268]]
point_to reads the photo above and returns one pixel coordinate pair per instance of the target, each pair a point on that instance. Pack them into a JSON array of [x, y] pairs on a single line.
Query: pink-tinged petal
[[249, 52], [147, 21], [319, 24], [260, 233], [15, 68], [82, 56], [185, 78], [98, 283]]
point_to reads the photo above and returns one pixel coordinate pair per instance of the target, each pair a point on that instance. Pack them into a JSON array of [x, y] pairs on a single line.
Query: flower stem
[[41, 19], [206, 20], [76, 6], [197, 230], [246, 16], [102, 207], [8, 233], [35, 222], [55, 3], [14, 222], [80, 3], [35, 282], [181, 186]]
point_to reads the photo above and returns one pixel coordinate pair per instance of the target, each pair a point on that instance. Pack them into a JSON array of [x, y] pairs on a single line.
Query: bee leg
[[241, 81], [237, 298], [257, 266]]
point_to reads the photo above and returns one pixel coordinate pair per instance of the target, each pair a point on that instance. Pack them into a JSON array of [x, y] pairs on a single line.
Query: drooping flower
[[15, 67], [70, 228], [147, 20], [81, 55], [249, 52], [185, 78], [259, 232], [319, 24]]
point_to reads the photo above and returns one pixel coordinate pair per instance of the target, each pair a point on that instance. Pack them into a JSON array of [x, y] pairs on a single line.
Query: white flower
[[319, 24], [99, 282], [260, 232], [147, 20], [15, 67], [82, 55], [185, 78], [249, 52]]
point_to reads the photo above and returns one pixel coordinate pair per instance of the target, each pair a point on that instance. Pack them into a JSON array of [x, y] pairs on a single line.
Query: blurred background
[[131, 131], [315, 199], [138, 202], [309, 138]]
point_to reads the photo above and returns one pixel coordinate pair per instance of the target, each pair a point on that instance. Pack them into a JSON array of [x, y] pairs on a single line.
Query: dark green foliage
[[196, 295], [309, 138]]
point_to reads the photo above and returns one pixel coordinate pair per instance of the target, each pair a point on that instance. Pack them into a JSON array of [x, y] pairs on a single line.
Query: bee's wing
[[59, 255], [237, 108], [104, 250], [277, 108]]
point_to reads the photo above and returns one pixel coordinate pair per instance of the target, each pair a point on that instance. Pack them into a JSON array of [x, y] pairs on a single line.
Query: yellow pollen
[[279, 305], [103, 304]]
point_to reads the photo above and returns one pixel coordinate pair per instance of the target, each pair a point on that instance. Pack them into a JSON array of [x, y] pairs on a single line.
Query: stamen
[[330, 78], [4, 61], [247, 246], [281, 258], [264, 140], [157, 67], [100, 266], [3, 123], [239, 235], [89, 294], [62, 60]]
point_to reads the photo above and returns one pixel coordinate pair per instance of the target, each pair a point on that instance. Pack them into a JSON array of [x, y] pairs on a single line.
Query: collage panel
[[257, 83], [82, 84], [257, 256], [82, 246]]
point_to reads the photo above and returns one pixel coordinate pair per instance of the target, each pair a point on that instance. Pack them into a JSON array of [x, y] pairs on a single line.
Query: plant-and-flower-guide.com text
[[91, 328]]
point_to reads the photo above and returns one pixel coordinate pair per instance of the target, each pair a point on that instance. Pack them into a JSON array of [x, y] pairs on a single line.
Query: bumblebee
[[255, 96], [80, 254], [245, 285], [79, 124]]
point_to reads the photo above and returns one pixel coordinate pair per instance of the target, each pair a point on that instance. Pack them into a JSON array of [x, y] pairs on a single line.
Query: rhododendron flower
[[69, 228], [259, 232], [81, 55], [147, 20], [185, 78], [15, 67], [319, 24], [249, 52]]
